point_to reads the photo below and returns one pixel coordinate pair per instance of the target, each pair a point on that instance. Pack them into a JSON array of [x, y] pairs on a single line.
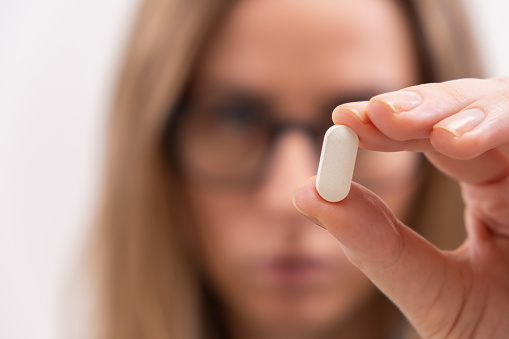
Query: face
[[291, 62]]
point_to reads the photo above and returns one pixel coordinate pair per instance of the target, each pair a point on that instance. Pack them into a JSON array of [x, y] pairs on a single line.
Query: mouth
[[293, 273]]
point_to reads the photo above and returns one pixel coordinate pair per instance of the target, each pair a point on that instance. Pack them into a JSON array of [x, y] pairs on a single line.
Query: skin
[[299, 56]]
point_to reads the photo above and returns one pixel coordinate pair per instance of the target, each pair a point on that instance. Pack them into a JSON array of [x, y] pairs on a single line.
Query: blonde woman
[[220, 112]]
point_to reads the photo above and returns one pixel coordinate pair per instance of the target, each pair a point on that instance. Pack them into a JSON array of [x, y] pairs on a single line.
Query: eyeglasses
[[228, 146]]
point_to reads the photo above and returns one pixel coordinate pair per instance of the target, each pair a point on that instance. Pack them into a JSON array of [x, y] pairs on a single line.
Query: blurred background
[[58, 62]]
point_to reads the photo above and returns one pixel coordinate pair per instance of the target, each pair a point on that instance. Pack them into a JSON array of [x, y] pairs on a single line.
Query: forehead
[[304, 46]]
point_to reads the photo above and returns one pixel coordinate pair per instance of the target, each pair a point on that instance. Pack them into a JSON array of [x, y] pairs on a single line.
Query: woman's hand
[[462, 126]]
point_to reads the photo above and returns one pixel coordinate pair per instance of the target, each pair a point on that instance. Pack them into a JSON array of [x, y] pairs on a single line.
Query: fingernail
[[400, 101], [462, 122], [353, 111], [314, 220]]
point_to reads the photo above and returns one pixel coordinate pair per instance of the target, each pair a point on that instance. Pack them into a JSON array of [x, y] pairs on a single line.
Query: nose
[[293, 160]]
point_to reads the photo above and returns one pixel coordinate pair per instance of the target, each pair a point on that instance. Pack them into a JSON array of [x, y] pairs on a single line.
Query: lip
[[290, 273]]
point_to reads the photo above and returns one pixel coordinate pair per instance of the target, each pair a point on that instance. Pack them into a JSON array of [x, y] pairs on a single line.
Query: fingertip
[[397, 125], [354, 112], [388, 121], [362, 222], [359, 204], [306, 199], [453, 145]]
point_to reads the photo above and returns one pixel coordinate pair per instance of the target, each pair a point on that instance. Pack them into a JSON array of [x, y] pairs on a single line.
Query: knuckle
[[504, 81], [504, 96], [495, 104], [452, 91]]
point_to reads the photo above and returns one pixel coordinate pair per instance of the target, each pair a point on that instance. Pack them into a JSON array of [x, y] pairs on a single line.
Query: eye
[[238, 115]]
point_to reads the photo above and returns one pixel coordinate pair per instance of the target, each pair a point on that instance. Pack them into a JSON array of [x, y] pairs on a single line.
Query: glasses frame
[[277, 128]]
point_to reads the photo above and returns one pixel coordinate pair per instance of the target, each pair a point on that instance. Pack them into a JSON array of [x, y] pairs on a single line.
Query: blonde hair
[[149, 284]]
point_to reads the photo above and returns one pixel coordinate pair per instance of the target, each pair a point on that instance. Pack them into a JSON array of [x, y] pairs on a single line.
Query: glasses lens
[[223, 143]]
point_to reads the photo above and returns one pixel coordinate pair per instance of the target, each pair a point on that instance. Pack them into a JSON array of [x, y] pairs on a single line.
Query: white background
[[58, 60]]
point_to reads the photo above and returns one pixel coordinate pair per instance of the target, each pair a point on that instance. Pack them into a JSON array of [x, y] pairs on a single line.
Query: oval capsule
[[337, 162]]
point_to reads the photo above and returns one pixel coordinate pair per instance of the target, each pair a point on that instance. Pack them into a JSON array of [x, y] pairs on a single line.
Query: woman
[[219, 114]]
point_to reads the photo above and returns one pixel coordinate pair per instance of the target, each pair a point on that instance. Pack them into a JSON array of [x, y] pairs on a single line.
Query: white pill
[[337, 163]]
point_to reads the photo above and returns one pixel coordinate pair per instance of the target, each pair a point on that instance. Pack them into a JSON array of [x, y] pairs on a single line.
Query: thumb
[[414, 274]]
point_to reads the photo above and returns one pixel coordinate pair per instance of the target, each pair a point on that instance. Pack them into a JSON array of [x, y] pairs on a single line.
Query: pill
[[337, 162]]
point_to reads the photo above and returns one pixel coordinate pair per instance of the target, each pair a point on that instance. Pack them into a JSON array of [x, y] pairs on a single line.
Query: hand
[[462, 127]]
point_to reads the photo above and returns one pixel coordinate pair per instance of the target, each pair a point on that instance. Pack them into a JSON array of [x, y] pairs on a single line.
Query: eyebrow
[[229, 90]]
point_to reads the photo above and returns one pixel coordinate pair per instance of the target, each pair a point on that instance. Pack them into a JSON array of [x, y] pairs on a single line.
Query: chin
[[303, 313]]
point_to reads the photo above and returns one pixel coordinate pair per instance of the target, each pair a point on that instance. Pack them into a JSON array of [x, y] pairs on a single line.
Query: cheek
[[227, 232], [224, 223], [232, 233], [392, 176]]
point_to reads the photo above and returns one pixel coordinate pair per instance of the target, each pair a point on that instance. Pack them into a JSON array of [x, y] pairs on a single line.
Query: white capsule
[[337, 163]]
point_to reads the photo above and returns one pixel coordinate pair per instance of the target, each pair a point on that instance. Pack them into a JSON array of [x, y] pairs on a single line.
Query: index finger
[[371, 137]]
